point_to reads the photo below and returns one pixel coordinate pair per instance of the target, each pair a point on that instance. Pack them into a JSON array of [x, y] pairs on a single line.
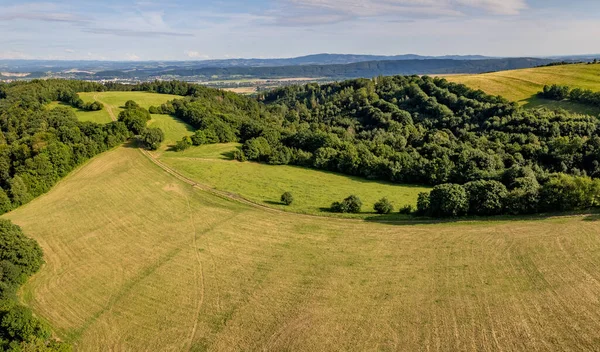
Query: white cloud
[[132, 57], [195, 55], [296, 12]]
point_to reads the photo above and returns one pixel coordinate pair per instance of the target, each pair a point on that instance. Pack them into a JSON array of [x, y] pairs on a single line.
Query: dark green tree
[[383, 206], [152, 138], [287, 198], [448, 200]]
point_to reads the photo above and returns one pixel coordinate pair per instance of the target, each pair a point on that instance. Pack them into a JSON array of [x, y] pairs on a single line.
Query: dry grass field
[[523, 85], [137, 260]]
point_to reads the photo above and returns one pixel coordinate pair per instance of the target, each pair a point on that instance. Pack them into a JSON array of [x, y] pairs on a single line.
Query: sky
[[201, 29]]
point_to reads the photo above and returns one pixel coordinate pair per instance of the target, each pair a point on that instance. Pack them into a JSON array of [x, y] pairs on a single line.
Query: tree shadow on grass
[[228, 155], [396, 219], [271, 202]]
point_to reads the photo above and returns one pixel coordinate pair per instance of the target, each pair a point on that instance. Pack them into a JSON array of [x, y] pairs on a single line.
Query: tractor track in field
[[108, 107]]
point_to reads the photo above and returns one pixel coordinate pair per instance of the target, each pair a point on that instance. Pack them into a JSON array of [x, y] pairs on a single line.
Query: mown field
[[137, 260], [523, 85]]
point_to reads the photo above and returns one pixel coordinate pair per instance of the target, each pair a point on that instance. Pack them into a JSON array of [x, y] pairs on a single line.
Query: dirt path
[[108, 107]]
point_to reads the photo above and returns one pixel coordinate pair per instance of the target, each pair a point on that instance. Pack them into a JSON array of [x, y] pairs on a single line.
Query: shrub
[[239, 155], [423, 203], [287, 198], [183, 144], [407, 209], [383, 206], [448, 200], [338, 207], [351, 204]]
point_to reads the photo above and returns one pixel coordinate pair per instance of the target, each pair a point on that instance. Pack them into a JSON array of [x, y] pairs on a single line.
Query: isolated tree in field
[[183, 144], [383, 206], [130, 104], [287, 198], [152, 138], [448, 200]]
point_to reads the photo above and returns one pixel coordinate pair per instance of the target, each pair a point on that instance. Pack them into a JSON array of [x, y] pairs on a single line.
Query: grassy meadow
[[313, 190], [137, 260], [523, 85], [114, 102]]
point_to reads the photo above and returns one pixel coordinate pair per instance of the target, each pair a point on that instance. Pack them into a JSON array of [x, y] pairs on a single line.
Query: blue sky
[[196, 30]]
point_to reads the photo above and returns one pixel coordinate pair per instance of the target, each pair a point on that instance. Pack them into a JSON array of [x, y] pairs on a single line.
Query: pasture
[[523, 85], [137, 260], [313, 190]]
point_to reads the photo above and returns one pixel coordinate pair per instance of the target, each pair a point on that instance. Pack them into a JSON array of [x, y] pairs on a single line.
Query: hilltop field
[[523, 85]]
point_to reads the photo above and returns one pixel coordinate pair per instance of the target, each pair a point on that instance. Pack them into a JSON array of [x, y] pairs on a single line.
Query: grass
[[137, 260], [114, 102], [313, 190], [101, 116], [523, 85]]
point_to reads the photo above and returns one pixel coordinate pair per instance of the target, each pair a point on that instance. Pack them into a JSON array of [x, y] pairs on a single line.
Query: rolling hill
[[137, 259], [523, 85]]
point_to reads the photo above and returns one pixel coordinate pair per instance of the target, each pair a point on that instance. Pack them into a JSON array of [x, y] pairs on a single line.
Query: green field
[[137, 260], [523, 85], [114, 102], [313, 190]]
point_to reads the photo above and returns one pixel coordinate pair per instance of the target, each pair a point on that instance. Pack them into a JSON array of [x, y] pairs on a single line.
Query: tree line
[[578, 95]]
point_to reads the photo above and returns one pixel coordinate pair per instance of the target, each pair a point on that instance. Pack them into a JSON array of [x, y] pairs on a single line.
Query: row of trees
[[563, 92], [560, 192], [73, 99]]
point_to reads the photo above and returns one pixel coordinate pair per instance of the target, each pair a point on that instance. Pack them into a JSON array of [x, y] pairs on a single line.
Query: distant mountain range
[[311, 66]]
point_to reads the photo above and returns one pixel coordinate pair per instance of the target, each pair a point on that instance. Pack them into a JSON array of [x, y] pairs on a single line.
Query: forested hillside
[[409, 130]]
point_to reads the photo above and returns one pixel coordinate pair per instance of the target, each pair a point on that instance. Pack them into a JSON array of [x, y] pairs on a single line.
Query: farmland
[[130, 251], [137, 259], [523, 85]]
